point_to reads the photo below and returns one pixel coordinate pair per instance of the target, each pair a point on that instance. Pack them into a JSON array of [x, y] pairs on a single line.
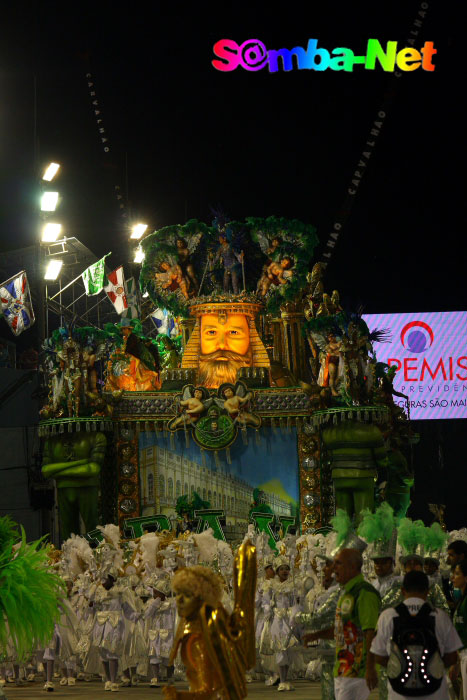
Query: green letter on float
[[137, 526], [210, 518], [263, 523], [285, 521], [94, 536], [375, 51]]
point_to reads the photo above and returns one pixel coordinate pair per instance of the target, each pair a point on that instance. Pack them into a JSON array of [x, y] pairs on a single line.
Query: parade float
[[265, 404]]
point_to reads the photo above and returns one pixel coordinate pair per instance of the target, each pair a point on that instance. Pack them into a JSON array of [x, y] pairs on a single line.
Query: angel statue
[[216, 648], [170, 277], [234, 400], [193, 404], [331, 361], [276, 273]]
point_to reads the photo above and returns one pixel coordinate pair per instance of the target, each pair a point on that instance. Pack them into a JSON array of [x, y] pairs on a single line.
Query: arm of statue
[[85, 467], [84, 470], [50, 471]]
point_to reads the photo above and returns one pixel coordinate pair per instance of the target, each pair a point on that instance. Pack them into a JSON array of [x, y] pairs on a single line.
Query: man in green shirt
[[355, 623]]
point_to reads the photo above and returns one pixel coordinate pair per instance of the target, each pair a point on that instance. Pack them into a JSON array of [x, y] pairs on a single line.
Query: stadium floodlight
[[51, 232], [53, 269], [138, 230], [49, 201], [139, 255], [50, 171]]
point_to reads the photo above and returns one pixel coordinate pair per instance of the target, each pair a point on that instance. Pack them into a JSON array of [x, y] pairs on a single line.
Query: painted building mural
[[169, 470]]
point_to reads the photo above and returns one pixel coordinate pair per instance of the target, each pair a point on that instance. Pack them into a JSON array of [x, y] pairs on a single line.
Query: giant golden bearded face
[[225, 347]]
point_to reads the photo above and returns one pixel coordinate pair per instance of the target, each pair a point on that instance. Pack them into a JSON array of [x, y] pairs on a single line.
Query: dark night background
[[185, 137]]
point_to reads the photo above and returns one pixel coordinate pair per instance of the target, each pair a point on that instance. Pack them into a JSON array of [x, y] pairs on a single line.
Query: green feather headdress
[[411, 533], [30, 595], [378, 525], [435, 538]]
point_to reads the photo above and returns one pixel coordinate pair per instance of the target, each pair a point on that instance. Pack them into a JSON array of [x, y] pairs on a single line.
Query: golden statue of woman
[[216, 648]]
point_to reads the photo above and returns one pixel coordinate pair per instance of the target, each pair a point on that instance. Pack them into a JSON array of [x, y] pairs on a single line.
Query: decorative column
[[186, 325], [293, 340], [128, 497], [316, 492], [275, 326]]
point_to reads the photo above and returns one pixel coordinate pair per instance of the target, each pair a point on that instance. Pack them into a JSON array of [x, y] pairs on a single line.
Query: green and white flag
[[93, 277], [131, 293]]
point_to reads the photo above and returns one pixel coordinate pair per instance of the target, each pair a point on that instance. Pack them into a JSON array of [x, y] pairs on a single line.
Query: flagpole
[[66, 286], [10, 279]]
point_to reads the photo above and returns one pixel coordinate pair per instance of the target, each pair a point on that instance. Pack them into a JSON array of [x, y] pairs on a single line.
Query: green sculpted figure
[[400, 480], [74, 461], [356, 451]]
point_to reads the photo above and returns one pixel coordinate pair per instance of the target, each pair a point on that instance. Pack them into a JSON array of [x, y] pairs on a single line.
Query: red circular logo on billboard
[[417, 336]]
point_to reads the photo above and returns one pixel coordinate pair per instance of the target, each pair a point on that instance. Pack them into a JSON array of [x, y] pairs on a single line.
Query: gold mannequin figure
[[216, 648]]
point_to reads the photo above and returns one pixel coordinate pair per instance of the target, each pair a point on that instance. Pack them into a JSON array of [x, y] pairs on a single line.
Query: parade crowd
[[326, 610]]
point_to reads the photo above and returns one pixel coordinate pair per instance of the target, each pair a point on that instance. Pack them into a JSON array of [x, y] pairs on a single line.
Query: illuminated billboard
[[429, 351]]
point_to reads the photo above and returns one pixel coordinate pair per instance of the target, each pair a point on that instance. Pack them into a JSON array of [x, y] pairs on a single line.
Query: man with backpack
[[416, 643]]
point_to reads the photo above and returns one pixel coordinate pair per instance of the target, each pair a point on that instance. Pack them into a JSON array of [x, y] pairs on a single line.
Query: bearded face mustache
[[214, 372]]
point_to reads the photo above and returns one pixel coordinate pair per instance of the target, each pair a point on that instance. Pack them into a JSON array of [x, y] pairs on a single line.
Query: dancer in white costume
[[284, 629], [159, 619], [113, 603], [62, 648], [263, 613]]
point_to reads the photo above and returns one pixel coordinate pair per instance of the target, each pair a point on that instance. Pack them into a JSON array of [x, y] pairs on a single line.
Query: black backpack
[[415, 666]]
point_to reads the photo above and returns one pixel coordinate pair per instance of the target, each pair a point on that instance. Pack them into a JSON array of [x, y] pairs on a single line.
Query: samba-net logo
[[252, 55], [429, 352]]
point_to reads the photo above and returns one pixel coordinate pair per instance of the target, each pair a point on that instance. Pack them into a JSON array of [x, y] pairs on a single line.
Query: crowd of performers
[[119, 616]]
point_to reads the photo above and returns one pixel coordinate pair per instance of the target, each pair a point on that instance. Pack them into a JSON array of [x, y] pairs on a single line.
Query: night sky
[[185, 137]]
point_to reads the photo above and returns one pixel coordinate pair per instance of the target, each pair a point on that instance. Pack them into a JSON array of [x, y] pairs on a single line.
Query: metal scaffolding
[[65, 300]]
